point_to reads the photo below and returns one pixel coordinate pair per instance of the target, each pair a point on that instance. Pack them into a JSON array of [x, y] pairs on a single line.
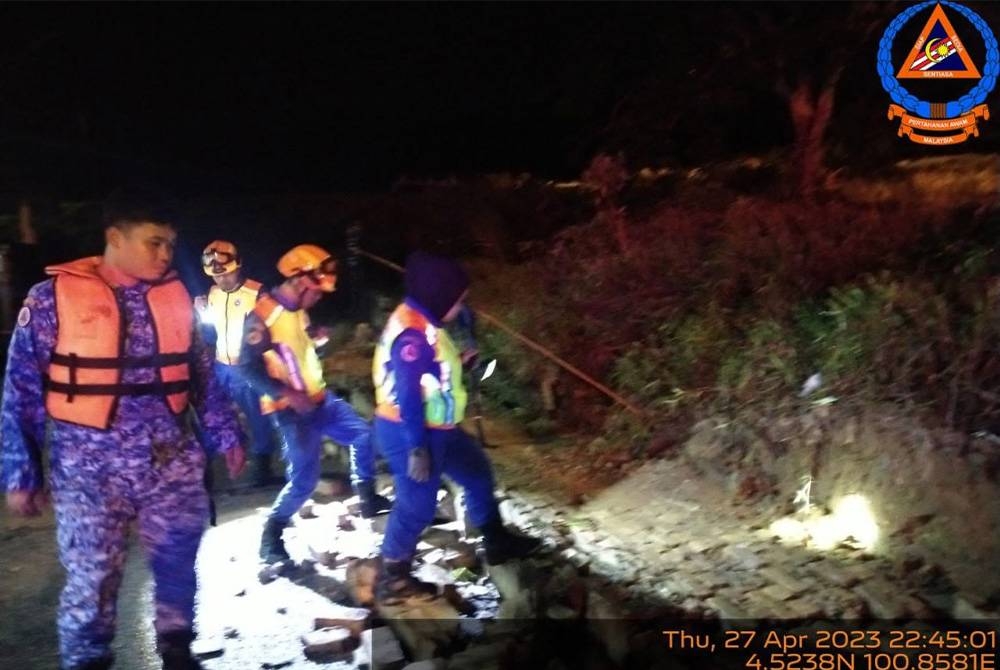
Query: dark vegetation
[[709, 291]]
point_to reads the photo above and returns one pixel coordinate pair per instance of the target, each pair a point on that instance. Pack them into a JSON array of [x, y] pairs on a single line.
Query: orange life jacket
[[83, 383]]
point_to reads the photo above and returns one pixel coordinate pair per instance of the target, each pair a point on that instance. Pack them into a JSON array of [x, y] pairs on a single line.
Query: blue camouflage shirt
[[25, 427]]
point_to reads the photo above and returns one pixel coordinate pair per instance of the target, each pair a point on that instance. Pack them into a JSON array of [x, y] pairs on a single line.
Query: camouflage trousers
[[98, 492]]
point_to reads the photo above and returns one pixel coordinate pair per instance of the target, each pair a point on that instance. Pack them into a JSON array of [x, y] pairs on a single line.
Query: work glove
[[418, 467]]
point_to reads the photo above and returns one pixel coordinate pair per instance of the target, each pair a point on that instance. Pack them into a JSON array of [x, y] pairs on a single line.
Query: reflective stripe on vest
[[444, 395], [292, 358], [83, 382], [226, 313]]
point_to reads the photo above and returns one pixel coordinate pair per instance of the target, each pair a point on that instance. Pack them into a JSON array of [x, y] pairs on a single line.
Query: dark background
[[236, 98], [250, 112]]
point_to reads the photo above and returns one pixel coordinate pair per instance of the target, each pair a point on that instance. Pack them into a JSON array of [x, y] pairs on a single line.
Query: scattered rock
[[360, 579], [277, 660], [354, 619], [381, 649], [307, 511], [963, 609], [436, 536], [327, 642], [208, 647]]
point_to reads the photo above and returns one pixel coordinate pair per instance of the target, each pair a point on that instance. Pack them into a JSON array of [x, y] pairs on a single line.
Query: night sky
[[316, 96], [332, 96]]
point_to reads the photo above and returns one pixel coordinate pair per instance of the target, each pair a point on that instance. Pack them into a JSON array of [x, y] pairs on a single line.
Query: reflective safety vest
[[83, 381], [444, 395], [226, 313], [292, 358]]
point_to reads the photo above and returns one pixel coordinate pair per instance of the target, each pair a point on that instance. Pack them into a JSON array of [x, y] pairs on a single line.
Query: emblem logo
[[938, 54]]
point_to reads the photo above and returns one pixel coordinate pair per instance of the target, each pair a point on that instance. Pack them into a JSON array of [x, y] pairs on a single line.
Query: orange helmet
[[220, 258], [311, 261]]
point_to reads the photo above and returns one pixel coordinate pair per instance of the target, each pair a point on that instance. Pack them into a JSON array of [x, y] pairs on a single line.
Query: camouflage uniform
[[146, 467]]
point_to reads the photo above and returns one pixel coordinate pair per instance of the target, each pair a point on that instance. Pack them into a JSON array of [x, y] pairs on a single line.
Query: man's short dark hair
[[128, 206]]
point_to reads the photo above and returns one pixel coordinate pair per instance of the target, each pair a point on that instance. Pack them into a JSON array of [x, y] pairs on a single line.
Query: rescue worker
[[279, 361], [420, 402], [102, 365], [223, 311]]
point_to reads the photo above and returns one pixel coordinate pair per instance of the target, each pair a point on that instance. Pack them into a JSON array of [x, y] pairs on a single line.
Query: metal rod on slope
[[489, 318]]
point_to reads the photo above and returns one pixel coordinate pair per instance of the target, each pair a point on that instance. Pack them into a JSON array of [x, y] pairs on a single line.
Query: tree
[[724, 67], [800, 51]]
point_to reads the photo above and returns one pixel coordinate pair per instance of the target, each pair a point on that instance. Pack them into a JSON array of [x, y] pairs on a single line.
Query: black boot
[[502, 545], [372, 504], [272, 546], [395, 585], [175, 650]]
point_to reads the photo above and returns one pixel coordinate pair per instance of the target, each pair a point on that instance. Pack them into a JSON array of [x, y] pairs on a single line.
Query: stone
[[275, 659], [461, 555], [802, 608], [777, 592], [703, 545], [843, 578], [882, 602], [360, 579], [515, 580], [436, 536], [963, 609], [425, 628], [433, 574], [761, 604], [616, 564], [577, 558], [326, 557], [308, 511], [780, 577], [742, 557], [327, 642], [208, 647], [381, 649], [354, 619], [727, 609]]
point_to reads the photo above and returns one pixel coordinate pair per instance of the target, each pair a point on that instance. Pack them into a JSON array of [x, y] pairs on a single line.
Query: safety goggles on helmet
[[215, 256], [217, 262], [325, 276]]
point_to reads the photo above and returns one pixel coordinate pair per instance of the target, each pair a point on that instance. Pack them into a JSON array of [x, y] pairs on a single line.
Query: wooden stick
[[489, 318]]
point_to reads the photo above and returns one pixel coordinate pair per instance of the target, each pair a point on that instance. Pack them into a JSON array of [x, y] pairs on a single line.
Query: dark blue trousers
[[453, 453]]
